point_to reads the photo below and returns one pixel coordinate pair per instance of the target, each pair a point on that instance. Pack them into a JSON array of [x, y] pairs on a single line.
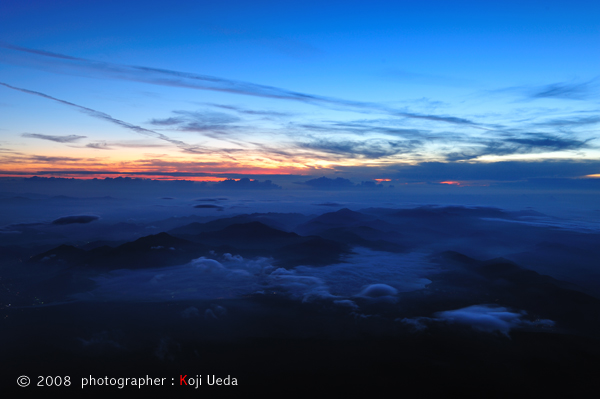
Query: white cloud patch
[[202, 278], [401, 272], [367, 274], [490, 318], [378, 290]]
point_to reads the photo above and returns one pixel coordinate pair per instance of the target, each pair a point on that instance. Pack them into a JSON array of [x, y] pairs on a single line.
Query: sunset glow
[[134, 110], [452, 183]]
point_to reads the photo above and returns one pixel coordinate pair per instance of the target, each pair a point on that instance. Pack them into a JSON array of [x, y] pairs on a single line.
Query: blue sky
[[315, 88]]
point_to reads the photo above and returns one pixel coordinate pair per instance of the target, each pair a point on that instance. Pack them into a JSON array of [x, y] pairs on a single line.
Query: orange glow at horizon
[[451, 182], [101, 176]]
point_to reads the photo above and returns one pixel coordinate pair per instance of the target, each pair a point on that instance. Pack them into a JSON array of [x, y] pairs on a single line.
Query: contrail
[[101, 115], [165, 77]]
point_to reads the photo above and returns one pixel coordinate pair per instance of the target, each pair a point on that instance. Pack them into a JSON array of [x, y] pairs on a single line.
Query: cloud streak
[[208, 123], [527, 144], [369, 149], [101, 115], [363, 129], [165, 77], [560, 90], [571, 122], [59, 139], [566, 91]]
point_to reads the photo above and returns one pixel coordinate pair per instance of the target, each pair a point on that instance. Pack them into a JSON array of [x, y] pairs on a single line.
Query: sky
[[425, 91]]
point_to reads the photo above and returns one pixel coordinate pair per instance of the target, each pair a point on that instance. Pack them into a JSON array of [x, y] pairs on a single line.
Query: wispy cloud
[[197, 121], [101, 115], [59, 139], [560, 90], [110, 145], [46, 159], [42, 161], [364, 128], [571, 122], [502, 171], [246, 111], [369, 149], [525, 144], [568, 91], [167, 77], [544, 142], [99, 146]]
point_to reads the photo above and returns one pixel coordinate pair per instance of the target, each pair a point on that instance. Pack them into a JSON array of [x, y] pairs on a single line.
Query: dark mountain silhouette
[[451, 212], [61, 255], [342, 218], [314, 251], [348, 236], [551, 257], [18, 200], [280, 221], [151, 251], [288, 249], [504, 282], [248, 231], [257, 314], [100, 243], [163, 249]]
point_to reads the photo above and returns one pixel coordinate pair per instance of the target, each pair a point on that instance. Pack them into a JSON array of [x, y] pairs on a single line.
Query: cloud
[[195, 121], [101, 115], [368, 149], [232, 276], [8, 150], [164, 77], [367, 271], [489, 318], [566, 91], [499, 171], [307, 288], [365, 128], [59, 139], [416, 323], [108, 145], [377, 290], [246, 111], [75, 219], [571, 122], [202, 278], [99, 146], [544, 142], [18, 158], [208, 265], [560, 90], [528, 143]]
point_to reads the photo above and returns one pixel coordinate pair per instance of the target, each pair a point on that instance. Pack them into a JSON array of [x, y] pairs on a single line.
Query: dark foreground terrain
[[416, 301]]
